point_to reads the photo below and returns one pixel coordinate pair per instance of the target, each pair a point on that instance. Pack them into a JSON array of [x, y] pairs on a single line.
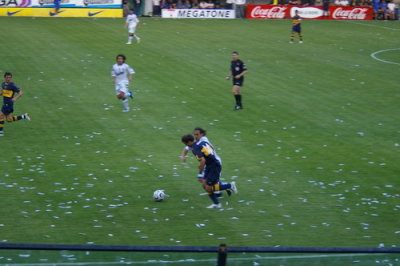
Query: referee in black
[[238, 69]]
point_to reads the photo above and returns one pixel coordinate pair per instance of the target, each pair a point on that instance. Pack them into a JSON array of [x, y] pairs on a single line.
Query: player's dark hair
[[187, 138], [8, 74], [234, 52], [121, 55], [201, 130]]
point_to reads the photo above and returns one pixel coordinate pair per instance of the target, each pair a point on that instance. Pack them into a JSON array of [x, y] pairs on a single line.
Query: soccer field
[[314, 152]]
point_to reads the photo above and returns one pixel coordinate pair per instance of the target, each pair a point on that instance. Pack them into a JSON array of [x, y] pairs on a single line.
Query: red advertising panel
[[266, 11], [307, 12], [350, 13]]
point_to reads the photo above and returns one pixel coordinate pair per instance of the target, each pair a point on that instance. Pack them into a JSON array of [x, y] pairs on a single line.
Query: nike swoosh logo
[[90, 14], [54, 14], [13, 13]]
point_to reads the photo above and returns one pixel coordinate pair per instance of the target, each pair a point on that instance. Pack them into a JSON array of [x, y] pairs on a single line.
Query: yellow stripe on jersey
[[216, 187], [8, 93], [207, 150], [296, 21]]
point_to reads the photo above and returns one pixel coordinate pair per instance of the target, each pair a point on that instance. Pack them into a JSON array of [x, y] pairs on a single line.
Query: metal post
[[222, 254]]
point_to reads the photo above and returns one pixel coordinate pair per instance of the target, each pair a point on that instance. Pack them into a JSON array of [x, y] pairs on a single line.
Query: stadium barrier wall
[[308, 12], [206, 249], [222, 251], [63, 12]]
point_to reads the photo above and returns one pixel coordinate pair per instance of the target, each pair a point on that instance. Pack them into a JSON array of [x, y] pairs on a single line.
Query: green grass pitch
[[314, 153]]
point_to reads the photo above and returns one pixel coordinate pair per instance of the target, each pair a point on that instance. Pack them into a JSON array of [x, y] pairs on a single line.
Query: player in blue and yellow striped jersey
[[10, 93], [210, 163], [296, 27]]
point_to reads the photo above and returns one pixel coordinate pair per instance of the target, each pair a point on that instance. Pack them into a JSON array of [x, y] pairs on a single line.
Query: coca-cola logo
[[355, 13], [277, 12]]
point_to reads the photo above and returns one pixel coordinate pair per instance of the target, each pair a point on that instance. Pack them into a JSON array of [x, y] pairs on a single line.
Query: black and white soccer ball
[[159, 195]]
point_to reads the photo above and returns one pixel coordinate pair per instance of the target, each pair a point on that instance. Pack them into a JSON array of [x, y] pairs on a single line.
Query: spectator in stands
[[187, 4], [164, 4], [342, 2], [179, 4], [195, 4], [172, 4], [203, 4], [391, 11], [210, 4], [294, 2], [384, 10], [376, 4], [325, 8], [57, 6], [240, 8], [156, 8], [364, 3], [307, 2]]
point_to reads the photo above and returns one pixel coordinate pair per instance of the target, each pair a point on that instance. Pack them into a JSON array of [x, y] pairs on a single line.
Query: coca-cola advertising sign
[[267, 12], [350, 13], [307, 12]]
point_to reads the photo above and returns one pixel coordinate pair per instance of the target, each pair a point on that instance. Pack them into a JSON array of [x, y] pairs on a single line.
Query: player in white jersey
[[132, 22], [122, 73], [200, 136]]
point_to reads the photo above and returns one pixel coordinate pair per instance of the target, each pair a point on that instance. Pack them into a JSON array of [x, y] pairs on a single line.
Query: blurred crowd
[[385, 10]]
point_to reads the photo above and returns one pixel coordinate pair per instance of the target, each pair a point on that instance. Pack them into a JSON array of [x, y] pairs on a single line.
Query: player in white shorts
[[131, 22], [122, 73]]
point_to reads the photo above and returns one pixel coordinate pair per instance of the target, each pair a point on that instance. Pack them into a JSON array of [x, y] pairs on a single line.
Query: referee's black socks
[[238, 99]]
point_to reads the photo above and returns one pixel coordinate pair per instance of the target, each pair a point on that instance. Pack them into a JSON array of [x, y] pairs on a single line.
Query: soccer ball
[[121, 95], [159, 195]]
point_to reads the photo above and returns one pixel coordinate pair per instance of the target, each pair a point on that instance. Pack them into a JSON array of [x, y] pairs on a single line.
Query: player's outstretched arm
[[17, 96]]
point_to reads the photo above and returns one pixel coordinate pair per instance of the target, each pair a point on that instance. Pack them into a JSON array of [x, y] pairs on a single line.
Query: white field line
[[192, 261], [373, 55], [368, 25]]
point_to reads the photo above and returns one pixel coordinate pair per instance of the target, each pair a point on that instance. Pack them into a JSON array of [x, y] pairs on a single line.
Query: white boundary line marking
[[190, 261], [373, 55], [369, 25]]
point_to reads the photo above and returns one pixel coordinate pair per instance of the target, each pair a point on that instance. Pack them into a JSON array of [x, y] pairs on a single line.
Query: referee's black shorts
[[238, 82]]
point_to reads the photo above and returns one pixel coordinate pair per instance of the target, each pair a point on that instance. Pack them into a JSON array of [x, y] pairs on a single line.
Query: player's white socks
[[125, 103]]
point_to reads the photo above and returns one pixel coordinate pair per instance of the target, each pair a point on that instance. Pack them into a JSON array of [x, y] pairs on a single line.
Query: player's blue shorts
[[238, 82], [7, 108], [212, 174], [296, 28]]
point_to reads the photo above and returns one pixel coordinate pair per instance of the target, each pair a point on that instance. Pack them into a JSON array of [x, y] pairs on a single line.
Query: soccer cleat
[[1, 133], [128, 43], [27, 117], [237, 107], [229, 192], [214, 206], [233, 187], [130, 94], [125, 110], [291, 42], [300, 41]]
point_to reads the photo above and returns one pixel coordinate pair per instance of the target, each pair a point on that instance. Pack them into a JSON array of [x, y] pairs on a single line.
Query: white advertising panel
[[198, 13]]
